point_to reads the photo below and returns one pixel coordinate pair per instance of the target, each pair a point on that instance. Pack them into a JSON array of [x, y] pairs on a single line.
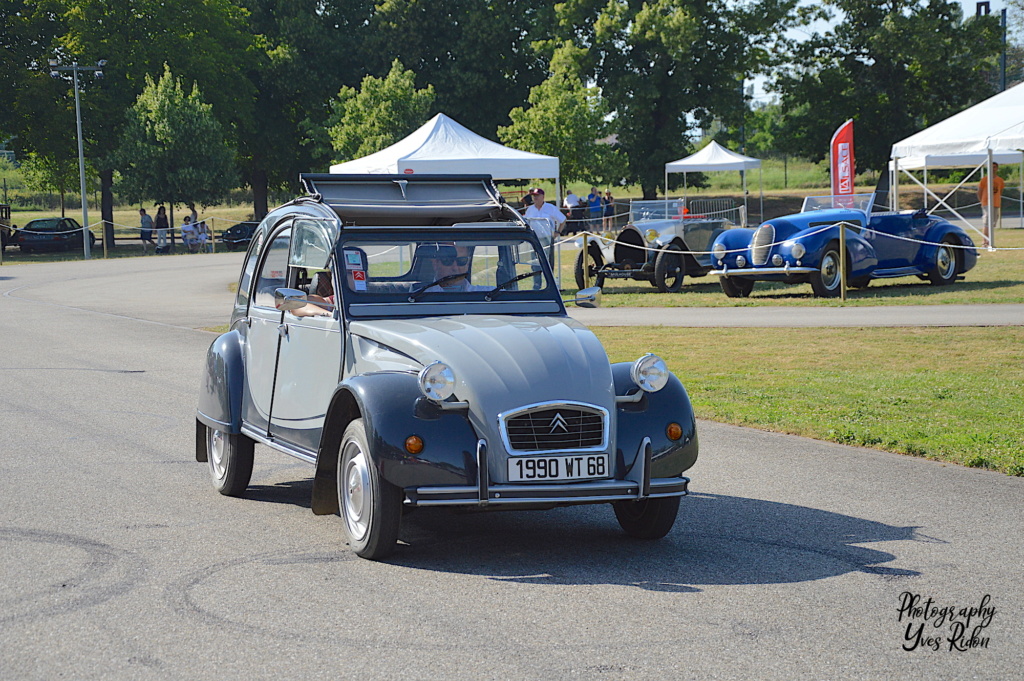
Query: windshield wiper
[[416, 294], [520, 277]]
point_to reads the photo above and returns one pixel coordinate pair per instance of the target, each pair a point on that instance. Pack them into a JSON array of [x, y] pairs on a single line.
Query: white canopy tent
[[441, 145], [987, 129], [712, 158]]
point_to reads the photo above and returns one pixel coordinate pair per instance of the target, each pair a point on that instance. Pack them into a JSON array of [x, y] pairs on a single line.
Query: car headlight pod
[[718, 251], [651, 236], [437, 381], [798, 250], [650, 373]]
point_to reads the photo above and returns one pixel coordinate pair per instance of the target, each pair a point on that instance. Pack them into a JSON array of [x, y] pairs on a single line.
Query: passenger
[[324, 294]]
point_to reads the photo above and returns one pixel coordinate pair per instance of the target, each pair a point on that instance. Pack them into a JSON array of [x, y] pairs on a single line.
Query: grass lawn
[[997, 278], [949, 394]]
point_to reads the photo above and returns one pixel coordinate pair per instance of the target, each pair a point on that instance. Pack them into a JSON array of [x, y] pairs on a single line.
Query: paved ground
[[790, 560]]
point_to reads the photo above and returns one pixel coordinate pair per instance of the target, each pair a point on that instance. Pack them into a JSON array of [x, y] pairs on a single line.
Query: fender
[[937, 232], [393, 408], [735, 238], [220, 400], [863, 259], [649, 418]]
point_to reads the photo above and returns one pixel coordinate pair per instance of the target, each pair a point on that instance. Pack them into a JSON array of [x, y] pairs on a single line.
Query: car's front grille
[[556, 427], [762, 244]]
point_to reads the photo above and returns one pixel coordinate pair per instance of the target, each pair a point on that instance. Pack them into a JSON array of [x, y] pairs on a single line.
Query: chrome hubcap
[[356, 495], [215, 452], [945, 262], [830, 270]]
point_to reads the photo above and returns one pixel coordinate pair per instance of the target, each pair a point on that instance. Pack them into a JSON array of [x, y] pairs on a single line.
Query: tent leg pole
[[990, 213]]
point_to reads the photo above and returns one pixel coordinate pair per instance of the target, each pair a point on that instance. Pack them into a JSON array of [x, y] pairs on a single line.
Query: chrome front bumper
[[637, 485]]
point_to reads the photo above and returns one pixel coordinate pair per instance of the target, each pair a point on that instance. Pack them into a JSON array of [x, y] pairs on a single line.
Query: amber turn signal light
[[414, 444], [674, 431]]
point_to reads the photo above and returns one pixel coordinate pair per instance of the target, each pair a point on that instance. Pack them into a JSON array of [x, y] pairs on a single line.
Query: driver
[[451, 261]]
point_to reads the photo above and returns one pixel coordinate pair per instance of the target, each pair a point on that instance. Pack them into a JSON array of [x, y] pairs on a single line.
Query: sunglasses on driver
[[461, 260]]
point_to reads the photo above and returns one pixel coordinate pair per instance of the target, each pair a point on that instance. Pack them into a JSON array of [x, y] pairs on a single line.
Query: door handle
[[282, 330]]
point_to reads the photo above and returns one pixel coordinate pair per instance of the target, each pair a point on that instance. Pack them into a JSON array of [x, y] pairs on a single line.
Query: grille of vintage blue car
[[562, 428], [762, 244]]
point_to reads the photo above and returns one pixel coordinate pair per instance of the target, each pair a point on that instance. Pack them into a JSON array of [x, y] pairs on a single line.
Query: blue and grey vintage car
[[805, 247], [405, 337], [662, 244]]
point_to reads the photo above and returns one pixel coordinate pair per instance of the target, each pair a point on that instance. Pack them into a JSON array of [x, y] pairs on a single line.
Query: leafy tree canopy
[[380, 113]]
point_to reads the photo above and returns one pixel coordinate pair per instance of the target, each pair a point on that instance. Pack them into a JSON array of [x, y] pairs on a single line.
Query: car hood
[[500, 362]]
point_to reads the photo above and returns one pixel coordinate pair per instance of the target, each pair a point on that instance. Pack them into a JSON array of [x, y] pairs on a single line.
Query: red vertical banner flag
[[842, 163]]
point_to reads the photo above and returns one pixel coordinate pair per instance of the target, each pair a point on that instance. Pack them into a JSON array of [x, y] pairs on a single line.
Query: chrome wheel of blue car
[[370, 506], [944, 272], [827, 282], [230, 458]]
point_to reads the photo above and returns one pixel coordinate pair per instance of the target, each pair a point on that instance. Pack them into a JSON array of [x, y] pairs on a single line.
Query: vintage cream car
[[404, 336]]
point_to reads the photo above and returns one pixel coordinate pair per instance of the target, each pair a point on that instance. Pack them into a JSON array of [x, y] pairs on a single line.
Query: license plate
[[547, 468]]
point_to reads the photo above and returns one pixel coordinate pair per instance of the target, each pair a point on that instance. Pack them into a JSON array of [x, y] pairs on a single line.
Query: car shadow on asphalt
[[717, 540]]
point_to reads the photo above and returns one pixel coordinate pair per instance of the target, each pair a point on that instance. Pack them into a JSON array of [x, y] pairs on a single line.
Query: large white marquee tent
[[715, 157], [441, 145], [989, 132]]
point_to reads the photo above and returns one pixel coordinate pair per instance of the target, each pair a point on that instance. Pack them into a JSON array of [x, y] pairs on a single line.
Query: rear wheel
[[230, 458], [736, 287], [647, 519], [593, 262], [371, 507], [945, 269], [828, 282], [668, 269]]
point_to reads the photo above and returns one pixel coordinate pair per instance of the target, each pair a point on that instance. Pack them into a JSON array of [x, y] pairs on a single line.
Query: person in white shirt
[[554, 219], [572, 204], [188, 234]]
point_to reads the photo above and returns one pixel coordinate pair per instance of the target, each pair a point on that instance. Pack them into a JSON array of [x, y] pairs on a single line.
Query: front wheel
[[736, 287], [647, 519], [944, 271], [371, 507], [230, 458], [828, 281], [668, 269], [593, 262]]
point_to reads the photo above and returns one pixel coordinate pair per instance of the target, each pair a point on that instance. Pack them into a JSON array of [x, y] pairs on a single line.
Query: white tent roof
[[936, 161], [712, 157], [997, 123], [443, 146]]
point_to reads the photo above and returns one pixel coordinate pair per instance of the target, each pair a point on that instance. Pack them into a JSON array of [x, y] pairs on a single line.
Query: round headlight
[[777, 260], [798, 250], [651, 235], [650, 373], [437, 382], [718, 251], [741, 261]]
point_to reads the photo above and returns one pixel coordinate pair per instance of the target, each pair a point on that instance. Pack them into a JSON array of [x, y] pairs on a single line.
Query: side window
[[242, 296], [275, 269]]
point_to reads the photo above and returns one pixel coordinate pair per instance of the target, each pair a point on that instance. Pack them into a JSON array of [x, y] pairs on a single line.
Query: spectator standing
[[594, 206], [552, 218], [609, 211], [161, 228], [203, 237], [572, 204], [997, 197], [146, 231]]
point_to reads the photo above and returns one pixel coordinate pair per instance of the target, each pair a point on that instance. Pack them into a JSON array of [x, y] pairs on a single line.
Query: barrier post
[[586, 262], [842, 261], [86, 236]]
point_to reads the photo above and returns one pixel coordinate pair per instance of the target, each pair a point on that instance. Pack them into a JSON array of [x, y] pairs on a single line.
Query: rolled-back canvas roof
[[443, 146]]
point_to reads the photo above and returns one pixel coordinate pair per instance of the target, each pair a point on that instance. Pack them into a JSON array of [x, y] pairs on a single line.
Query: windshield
[[860, 202], [450, 268]]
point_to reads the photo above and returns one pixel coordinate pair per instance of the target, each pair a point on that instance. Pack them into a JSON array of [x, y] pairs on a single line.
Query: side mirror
[[289, 299], [589, 297]]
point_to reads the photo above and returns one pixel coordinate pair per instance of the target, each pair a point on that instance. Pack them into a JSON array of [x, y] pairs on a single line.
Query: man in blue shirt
[[594, 204]]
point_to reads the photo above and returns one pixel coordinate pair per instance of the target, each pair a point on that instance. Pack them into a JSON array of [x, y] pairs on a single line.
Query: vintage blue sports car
[[805, 248], [405, 337]]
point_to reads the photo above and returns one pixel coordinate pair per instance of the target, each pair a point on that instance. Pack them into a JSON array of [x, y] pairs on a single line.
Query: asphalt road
[[790, 560]]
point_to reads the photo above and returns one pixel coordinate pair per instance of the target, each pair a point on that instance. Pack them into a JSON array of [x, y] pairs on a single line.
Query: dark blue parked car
[[805, 248]]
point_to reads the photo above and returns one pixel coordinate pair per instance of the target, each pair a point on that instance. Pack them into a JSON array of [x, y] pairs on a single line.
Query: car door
[[310, 349], [896, 251], [263, 335]]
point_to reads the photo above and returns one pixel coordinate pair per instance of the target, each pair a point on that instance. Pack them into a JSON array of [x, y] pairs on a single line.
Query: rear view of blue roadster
[[405, 337]]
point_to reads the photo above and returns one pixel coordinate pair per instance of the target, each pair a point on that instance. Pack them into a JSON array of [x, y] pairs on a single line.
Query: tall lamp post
[[55, 71]]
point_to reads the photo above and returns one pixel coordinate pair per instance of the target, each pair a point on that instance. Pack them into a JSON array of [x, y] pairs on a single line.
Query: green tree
[[381, 112], [894, 66], [173, 149], [51, 173], [476, 53], [665, 65], [567, 119]]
